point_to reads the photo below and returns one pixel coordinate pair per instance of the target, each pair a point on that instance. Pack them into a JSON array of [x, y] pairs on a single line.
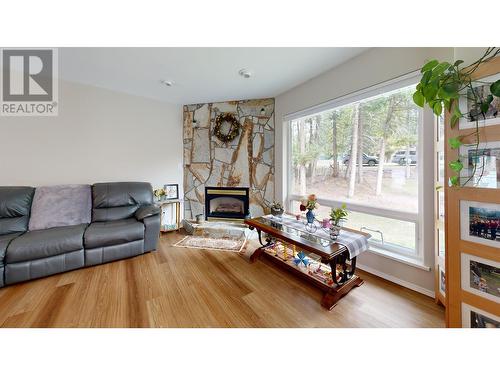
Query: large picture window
[[365, 153]]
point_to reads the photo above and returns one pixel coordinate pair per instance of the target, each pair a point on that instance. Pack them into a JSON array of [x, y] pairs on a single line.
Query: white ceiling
[[200, 74]]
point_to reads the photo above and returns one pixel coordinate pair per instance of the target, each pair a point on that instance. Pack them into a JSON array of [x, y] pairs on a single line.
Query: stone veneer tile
[[224, 154], [202, 116], [246, 161], [201, 146], [188, 125]]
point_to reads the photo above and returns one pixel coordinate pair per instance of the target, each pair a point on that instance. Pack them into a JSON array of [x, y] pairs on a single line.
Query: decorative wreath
[[234, 130]]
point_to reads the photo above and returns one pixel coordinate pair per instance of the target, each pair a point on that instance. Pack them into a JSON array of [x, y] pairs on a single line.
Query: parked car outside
[[399, 157], [367, 160]]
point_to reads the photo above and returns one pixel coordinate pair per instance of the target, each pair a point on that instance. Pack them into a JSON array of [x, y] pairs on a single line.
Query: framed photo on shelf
[[473, 317], [481, 90], [171, 191], [481, 277], [480, 223], [487, 160]]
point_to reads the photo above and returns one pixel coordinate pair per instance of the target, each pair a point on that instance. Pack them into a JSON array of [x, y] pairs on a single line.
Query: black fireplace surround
[[226, 203]]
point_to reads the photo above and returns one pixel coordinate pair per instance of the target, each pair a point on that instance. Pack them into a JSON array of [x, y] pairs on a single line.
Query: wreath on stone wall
[[234, 130]]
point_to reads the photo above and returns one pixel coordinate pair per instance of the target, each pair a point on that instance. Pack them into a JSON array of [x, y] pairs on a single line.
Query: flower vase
[[310, 216]]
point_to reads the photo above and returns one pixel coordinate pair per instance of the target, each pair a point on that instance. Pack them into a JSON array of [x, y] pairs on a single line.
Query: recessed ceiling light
[[245, 73], [168, 83]]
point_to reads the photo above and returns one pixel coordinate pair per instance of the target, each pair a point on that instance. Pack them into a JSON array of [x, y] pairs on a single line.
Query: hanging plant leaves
[[429, 66], [456, 166], [495, 88], [426, 78], [450, 90], [418, 98], [437, 108], [441, 87], [440, 68], [430, 92], [454, 181], [484, 107], [447, 104], [455, 142]]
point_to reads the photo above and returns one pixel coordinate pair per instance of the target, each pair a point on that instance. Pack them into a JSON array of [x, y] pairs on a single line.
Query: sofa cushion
[[119, 200], [45, 243], [15, 206], [100, 234], [4, 243], [59, 206]]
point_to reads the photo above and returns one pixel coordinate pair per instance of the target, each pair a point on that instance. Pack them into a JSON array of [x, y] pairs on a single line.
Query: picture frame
[[171, 191], [482, 88], [476, 223], [442, 280], [472, 317], [487, 157], [480, 276]]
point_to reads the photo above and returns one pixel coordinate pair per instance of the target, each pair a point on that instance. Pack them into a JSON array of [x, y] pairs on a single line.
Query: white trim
[[398, 257], [369, 92], [371, 210], [395, 280]]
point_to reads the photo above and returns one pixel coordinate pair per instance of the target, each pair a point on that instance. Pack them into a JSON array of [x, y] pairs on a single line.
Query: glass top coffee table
[[322, 262]]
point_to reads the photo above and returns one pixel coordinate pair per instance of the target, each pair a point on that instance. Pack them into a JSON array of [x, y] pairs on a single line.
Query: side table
[[170, 215]]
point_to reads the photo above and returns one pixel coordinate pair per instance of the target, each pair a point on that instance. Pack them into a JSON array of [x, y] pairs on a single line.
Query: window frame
[[416, 218]]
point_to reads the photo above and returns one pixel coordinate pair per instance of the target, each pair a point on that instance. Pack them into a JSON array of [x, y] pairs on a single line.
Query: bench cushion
[[5, 240], [15, 206], [108, 233], [45, 243]]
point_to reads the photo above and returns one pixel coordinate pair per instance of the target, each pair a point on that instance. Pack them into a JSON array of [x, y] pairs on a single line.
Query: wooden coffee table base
[[332, 294], [331, 297]]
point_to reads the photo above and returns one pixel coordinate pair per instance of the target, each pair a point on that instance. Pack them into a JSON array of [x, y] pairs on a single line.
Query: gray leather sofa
[[124, 223]]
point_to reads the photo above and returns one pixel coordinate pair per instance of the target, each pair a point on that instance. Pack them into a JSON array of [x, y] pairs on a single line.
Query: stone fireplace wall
[[247, 161]]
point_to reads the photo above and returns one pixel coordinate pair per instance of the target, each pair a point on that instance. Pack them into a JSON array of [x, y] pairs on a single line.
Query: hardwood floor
[[176, 287]]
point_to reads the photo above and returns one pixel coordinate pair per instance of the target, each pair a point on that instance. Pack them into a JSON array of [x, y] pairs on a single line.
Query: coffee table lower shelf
[[332, 294]]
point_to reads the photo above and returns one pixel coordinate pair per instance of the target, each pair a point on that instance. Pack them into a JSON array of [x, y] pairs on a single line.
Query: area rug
[[207, 243]]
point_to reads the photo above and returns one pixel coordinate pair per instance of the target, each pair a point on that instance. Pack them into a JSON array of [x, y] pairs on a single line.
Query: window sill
[[417, 263]]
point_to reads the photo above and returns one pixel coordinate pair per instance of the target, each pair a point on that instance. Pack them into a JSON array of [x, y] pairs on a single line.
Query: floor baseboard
[[398, 281]]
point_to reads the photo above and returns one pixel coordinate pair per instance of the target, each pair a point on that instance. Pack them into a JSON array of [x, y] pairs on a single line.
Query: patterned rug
[[207, 243]]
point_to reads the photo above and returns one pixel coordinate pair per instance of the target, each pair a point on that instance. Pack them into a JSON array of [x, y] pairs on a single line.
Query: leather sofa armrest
[[146, 211]]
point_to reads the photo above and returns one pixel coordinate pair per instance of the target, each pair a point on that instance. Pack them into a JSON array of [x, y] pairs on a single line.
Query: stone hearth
[[247, 161]]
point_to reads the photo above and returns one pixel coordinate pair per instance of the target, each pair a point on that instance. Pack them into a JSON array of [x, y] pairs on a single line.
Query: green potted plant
[[337, 215]]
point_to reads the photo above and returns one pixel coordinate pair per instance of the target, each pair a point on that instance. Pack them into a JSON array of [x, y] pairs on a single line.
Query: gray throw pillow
[[60, 206]]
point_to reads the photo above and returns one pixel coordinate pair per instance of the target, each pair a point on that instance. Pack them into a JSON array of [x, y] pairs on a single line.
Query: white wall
[[370, 68], [99, 136]]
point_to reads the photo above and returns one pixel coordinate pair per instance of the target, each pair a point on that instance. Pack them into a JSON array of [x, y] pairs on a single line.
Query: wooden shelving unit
[[457, 299], [170, 208]]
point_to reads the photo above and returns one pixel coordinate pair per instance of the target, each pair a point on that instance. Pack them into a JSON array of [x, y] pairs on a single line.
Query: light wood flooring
[[176, 287]]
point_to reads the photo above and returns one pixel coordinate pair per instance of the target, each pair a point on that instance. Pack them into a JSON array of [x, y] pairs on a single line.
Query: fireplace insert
[[226, 203]]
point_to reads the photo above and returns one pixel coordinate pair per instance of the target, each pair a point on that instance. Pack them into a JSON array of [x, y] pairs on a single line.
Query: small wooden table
[[333, 254]]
